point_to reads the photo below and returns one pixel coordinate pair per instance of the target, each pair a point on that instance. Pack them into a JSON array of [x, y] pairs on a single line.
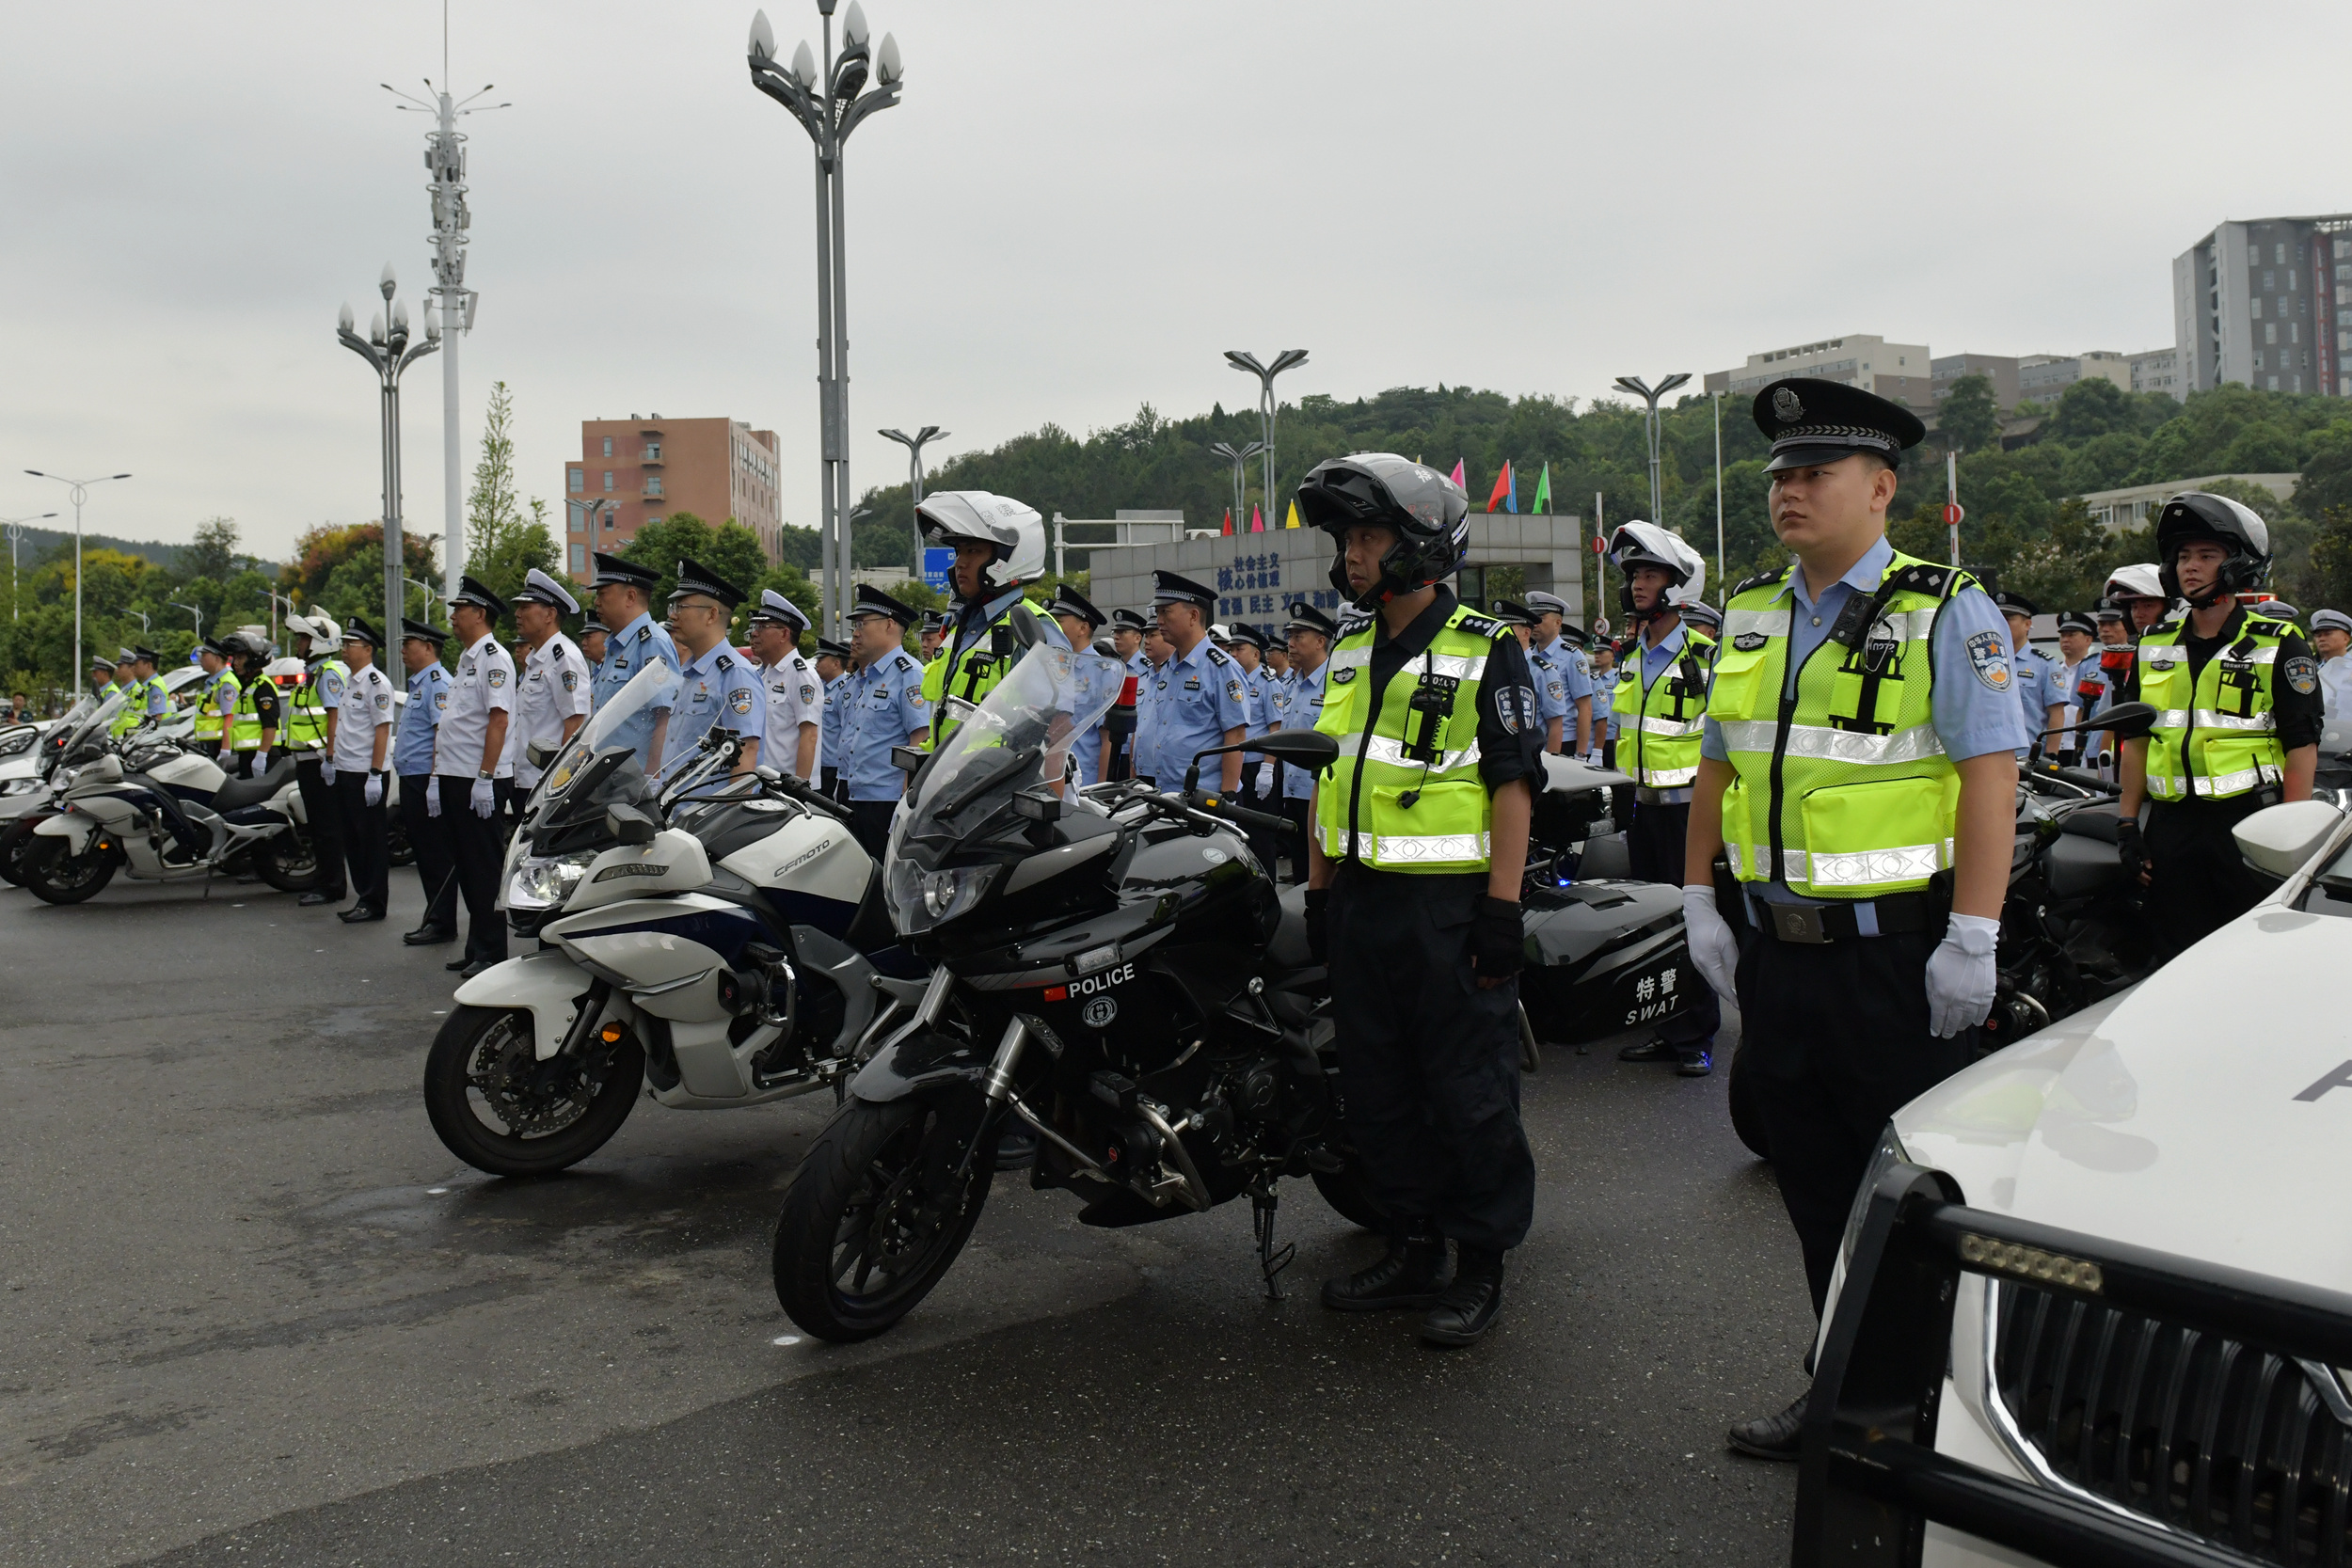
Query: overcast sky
[[1075, 209]]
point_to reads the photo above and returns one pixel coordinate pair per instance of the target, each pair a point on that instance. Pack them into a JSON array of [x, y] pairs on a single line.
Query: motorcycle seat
[[252, 792], [2092, 821]]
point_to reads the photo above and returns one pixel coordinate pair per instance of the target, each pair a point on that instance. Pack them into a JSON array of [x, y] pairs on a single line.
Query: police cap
[[1809, 420], [1069, 601], [1245, 632], [1129, 620], [694, 578], [1306, 617], [1541, 604], [539, 588], [1512, 613], [871, 600], [777, 611], [359, 631], [2076, 620], [612, 569], [471, 591], [828, 648], [2015, 604], [422, 631], [2331, 620], [1170, 588]]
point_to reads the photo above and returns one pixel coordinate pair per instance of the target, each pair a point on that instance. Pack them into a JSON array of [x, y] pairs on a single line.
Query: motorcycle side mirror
[[630, 825], [542, 752], [1036, 807], [1024, 625], [1310, 749], [768, 775], [908, 759], [2129, 720]]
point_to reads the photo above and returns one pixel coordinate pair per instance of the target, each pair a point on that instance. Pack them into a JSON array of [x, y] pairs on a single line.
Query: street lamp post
[[16, 534], [1239, 457], [1634, 383], [914, 476], [1265, 375], [425, 587], [197, 613], [1721, 574], [829, 116], [387, 351], [79, 489]]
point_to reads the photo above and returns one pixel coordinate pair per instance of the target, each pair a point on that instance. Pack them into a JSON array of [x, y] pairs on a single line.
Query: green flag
[[1543, 492]]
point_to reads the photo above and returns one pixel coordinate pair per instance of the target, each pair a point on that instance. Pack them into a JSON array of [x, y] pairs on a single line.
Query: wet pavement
[[257, 1313]]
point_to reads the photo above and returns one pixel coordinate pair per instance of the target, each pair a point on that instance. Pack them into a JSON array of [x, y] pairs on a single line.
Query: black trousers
[[434, 868], [1295, 809], [1265, 845], [1654, 845], [869, 823], [477, 849], [326, 823], [1836, 1040], [367, 839], [1429, 1061], [2200, 882], [829, 783]]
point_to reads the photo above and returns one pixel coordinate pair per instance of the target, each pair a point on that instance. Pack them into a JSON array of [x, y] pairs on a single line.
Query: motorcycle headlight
[[921, 899], [546, 881]]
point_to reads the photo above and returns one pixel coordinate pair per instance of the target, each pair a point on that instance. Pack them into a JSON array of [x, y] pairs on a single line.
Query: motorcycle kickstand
[[1271, 1262]]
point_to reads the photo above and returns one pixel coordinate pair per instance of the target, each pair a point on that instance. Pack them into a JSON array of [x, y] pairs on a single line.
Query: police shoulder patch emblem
[[742, 701], [497, 677], [1989, 653], [1748, 641], [571, 679], [1232, 690], [2303, 674]]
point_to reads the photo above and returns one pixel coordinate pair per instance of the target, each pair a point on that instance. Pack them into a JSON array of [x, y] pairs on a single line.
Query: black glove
[[1497, 943], [1318, 932], [2129, 849]]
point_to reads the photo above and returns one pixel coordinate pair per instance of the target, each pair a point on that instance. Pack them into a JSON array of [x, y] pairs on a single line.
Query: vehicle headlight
[[546, 881], [19, 786], [921, 899], [16, 744]]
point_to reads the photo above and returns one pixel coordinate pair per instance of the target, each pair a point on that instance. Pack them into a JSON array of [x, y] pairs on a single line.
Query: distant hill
[[39, 541]]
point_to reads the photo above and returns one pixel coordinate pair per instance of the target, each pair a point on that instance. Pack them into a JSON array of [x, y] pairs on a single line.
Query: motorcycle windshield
[[1019, 737], [94, 727], [653, 689]]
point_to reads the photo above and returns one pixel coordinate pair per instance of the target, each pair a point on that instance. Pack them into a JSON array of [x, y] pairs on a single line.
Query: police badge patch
[[1341, 677], [1785, 406], [742, 702], [1232, 690], [571, 679], [2303, 675], [1989, 653], [498, 678], [1748, 641]]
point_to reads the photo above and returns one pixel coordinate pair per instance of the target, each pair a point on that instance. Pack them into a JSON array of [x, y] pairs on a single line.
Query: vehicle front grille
[[2208, 1436]]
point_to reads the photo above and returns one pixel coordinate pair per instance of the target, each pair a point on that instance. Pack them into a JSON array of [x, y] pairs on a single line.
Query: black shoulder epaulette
[[1935, 581], [1761, 580], [1481, 626], [1218, 656], [1353, 621], [726, 661]]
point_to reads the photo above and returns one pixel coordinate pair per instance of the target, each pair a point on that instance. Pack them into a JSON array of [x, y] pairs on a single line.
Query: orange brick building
[[634, 471]]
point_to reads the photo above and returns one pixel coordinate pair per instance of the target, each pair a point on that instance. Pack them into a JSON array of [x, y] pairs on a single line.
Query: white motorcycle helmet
[[2143, 581], [1640, 544], [325, 634], [1012, 529]]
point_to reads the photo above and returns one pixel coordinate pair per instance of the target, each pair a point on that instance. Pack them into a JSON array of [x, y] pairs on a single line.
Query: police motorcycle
[[27, 782], [706, 938], [143, 804], [1120, 989]]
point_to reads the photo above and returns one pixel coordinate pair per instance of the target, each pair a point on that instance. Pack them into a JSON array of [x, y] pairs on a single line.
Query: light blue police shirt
[[1305, 707], [412, 744], [2037, 688], [718, 687], [1094, 684], [829, 726], [882, 707], [1974, 708], [1200, 696], [626, 652]]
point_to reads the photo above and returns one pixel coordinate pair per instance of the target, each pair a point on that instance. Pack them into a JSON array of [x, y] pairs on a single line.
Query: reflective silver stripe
[[1910, 862], [1772, 623], [2209, 719], [1674, 729], [1405, 848], [1912, 625], [2165, 655], [1668, 778], [1823, 741], [1350, 658], [2237, 782], [1392, 753], [1460, 667], [2168, 788]]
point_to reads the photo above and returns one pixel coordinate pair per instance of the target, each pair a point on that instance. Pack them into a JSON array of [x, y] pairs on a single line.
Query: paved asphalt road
[[258, 1314]]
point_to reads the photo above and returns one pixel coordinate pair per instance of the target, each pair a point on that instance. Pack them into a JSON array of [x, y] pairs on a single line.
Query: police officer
[[253, 723], [1658, 714], [832, 676], [1414, 872], [147, 698], [934, 629], [796, 703], [623, 589], [1310, 633], [2238, 716], [215, 703], [2331, 635], [1125, 726], [1858, 775], [2036, 672], [101, 678], [1247, 646], [593, 634], [310, 737], [2079, 685], [718, 687], [882, 706], [363, 754], [1000, 544], [1091, 692], [1197, 699], [554, 696], [471, 774], [419, 792], [1564, 677]]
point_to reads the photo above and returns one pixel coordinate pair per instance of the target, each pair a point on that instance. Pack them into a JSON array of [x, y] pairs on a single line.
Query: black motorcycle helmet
[[1428, 511], [2194, 515]]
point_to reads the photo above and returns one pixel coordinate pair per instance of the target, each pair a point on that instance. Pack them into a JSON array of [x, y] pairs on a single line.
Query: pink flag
[[1257, 519], [1459, 482]]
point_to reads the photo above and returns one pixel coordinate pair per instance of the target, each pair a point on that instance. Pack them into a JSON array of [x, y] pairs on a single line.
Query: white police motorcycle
[[707, 938]]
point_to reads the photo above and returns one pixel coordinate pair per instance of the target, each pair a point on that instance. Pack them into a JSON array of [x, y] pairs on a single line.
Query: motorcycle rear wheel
[[287, 861], [53, 875], [15, 839], [873, 1201], [552, 1114]]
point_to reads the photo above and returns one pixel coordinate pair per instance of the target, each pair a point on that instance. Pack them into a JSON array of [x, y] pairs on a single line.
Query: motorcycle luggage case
[[1604, 956]]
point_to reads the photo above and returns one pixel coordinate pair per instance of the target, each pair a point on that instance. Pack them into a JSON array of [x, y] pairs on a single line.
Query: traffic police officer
[[2238, 718], [1857, 774], [1000, 544], [2080, 686], [883, 706], [253, 724], [718, 687], [215, 703], [471, 774], [363, 741], [1091, 688], [795, 698], [1310, 634], [101, 678], [623, 590], [2035, 671], [1657, 715], [310, 737], [934, 629], [832, 676], [1197, 699], [1563, 678], [555, 697], [593, 634], [1126, 725], [420, 797], [1415, 864]]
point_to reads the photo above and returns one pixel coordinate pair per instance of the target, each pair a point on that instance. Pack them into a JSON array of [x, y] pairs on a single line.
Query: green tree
[[1970, 417], [2329, 584], [729, 549], [503, 544], [214, 554]]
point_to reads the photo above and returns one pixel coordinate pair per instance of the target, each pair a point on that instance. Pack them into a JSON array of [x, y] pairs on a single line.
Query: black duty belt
[[1812, 924]]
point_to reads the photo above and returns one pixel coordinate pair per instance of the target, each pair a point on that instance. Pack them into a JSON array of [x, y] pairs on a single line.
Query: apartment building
[[1897, 371], [2266, 303], [635, 471]]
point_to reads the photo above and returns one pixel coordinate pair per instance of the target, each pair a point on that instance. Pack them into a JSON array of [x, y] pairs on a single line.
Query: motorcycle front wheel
[[873, 1218], [15, 839], [54, 875], [286, 861], [501, 1109]]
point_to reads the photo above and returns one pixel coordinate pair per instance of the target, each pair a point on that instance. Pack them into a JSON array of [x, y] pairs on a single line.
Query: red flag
[[1228, 530], [1503, 486], [1257, 519]]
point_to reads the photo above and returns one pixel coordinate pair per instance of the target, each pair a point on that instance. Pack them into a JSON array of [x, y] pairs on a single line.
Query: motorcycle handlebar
[[1242, 814], [2078, 778]]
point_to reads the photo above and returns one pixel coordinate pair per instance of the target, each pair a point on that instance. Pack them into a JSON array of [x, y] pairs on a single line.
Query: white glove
[[1712, 946], [260, 763], [228, 757], [326, 772], [372, 792], [485, 799], [1960, 976], [433, 796]]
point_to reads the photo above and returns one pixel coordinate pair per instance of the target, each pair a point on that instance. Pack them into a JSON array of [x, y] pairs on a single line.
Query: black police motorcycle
[[1118, 988]]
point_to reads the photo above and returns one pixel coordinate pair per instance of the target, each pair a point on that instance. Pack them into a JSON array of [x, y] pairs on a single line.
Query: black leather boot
[[1468, 1308], [1411, 1275], [1772, 1436]]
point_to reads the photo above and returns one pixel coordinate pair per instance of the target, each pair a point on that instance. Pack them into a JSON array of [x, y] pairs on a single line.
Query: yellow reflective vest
[[1659, 722], [2219, 736], [212, 710], [306, 726]]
